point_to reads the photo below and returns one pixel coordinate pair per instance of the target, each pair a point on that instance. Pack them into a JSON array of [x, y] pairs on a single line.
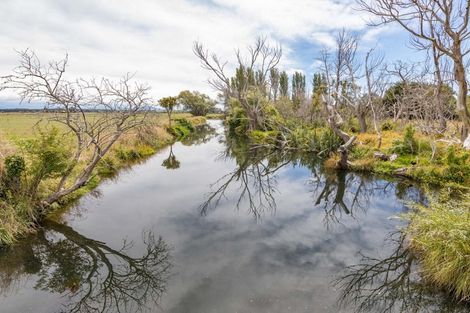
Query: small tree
[[196, 103], [169, 104], [122, 106]]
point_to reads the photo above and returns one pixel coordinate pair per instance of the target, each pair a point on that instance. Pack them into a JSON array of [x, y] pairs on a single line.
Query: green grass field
[[19, 125]]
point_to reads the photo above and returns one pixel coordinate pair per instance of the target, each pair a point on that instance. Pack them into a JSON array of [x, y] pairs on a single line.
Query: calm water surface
[[209, 226]]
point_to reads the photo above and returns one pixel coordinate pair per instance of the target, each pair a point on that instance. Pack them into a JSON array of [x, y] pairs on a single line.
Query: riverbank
[[18, 215], [402, 153], [416, 156]]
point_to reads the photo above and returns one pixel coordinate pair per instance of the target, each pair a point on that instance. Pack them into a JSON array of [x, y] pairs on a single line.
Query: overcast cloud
[[154, 38]]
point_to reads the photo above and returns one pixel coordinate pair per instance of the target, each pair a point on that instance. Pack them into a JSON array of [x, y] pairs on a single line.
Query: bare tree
[[336, 71], [122, 106], [442, 23], [253, 72], [376, 82]]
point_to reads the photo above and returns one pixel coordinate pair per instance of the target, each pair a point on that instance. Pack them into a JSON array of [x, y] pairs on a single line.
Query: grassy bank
[[439, 234], [21, 131]]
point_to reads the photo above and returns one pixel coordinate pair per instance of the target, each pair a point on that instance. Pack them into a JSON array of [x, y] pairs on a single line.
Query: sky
[[154, 38]]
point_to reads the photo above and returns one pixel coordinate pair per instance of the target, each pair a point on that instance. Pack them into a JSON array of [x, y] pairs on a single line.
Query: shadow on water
[[90, 275]]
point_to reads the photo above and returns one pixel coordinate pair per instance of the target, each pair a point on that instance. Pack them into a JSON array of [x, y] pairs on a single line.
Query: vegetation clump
[[439, 235]]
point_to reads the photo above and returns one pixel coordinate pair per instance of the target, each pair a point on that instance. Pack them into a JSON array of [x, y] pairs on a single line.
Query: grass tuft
[[440, 236]]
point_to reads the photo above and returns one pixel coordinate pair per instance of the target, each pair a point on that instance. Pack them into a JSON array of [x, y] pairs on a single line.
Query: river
[[210, 225]]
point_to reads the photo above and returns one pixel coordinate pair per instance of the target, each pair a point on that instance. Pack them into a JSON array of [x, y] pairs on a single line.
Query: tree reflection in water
[[342, 192], [393, 284], [171, 163], [92, 275], [390, 284], [203, 134], [254, 178], [254, 182]]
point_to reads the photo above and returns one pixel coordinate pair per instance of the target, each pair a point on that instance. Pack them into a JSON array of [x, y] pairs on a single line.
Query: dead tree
[[442, 23], [375, 82], [262, 58], [334, 71], [122, 106]]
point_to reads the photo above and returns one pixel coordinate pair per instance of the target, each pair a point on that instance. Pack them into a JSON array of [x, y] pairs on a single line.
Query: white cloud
[[154, 37]]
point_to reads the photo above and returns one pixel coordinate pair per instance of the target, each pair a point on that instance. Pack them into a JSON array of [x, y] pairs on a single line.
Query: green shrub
[[14, 166], [185, 123], [106, 167], [387, 125], [127, 154], [360, 152], [237, 122], [263, 137], [409, 144], [48, 156], [181, 129]]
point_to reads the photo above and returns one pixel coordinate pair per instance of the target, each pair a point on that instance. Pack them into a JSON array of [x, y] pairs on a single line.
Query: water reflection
[[171, 163], [91, 275], [203, 134], [253, 180], [225, 261], [392, 284], [342, 193], [254, 183]]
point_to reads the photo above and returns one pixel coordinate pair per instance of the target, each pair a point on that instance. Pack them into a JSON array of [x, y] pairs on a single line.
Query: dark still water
[[209, 226]]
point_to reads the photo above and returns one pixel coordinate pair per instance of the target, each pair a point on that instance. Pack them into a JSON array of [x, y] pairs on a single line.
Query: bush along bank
[[32, 172], [278, 132]]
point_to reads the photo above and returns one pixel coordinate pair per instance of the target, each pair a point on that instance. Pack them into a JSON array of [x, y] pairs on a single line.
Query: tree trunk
[[169, 119], [459, 71], [362, 122], [344, 153]]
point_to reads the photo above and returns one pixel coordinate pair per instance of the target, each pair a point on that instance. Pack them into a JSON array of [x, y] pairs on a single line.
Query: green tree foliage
[[196, 103], [49, 157], [408, 145], [15, 165], [298, 89], [274, 78], [247, 79], [169, 104], [319, 84], [284, 84]]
